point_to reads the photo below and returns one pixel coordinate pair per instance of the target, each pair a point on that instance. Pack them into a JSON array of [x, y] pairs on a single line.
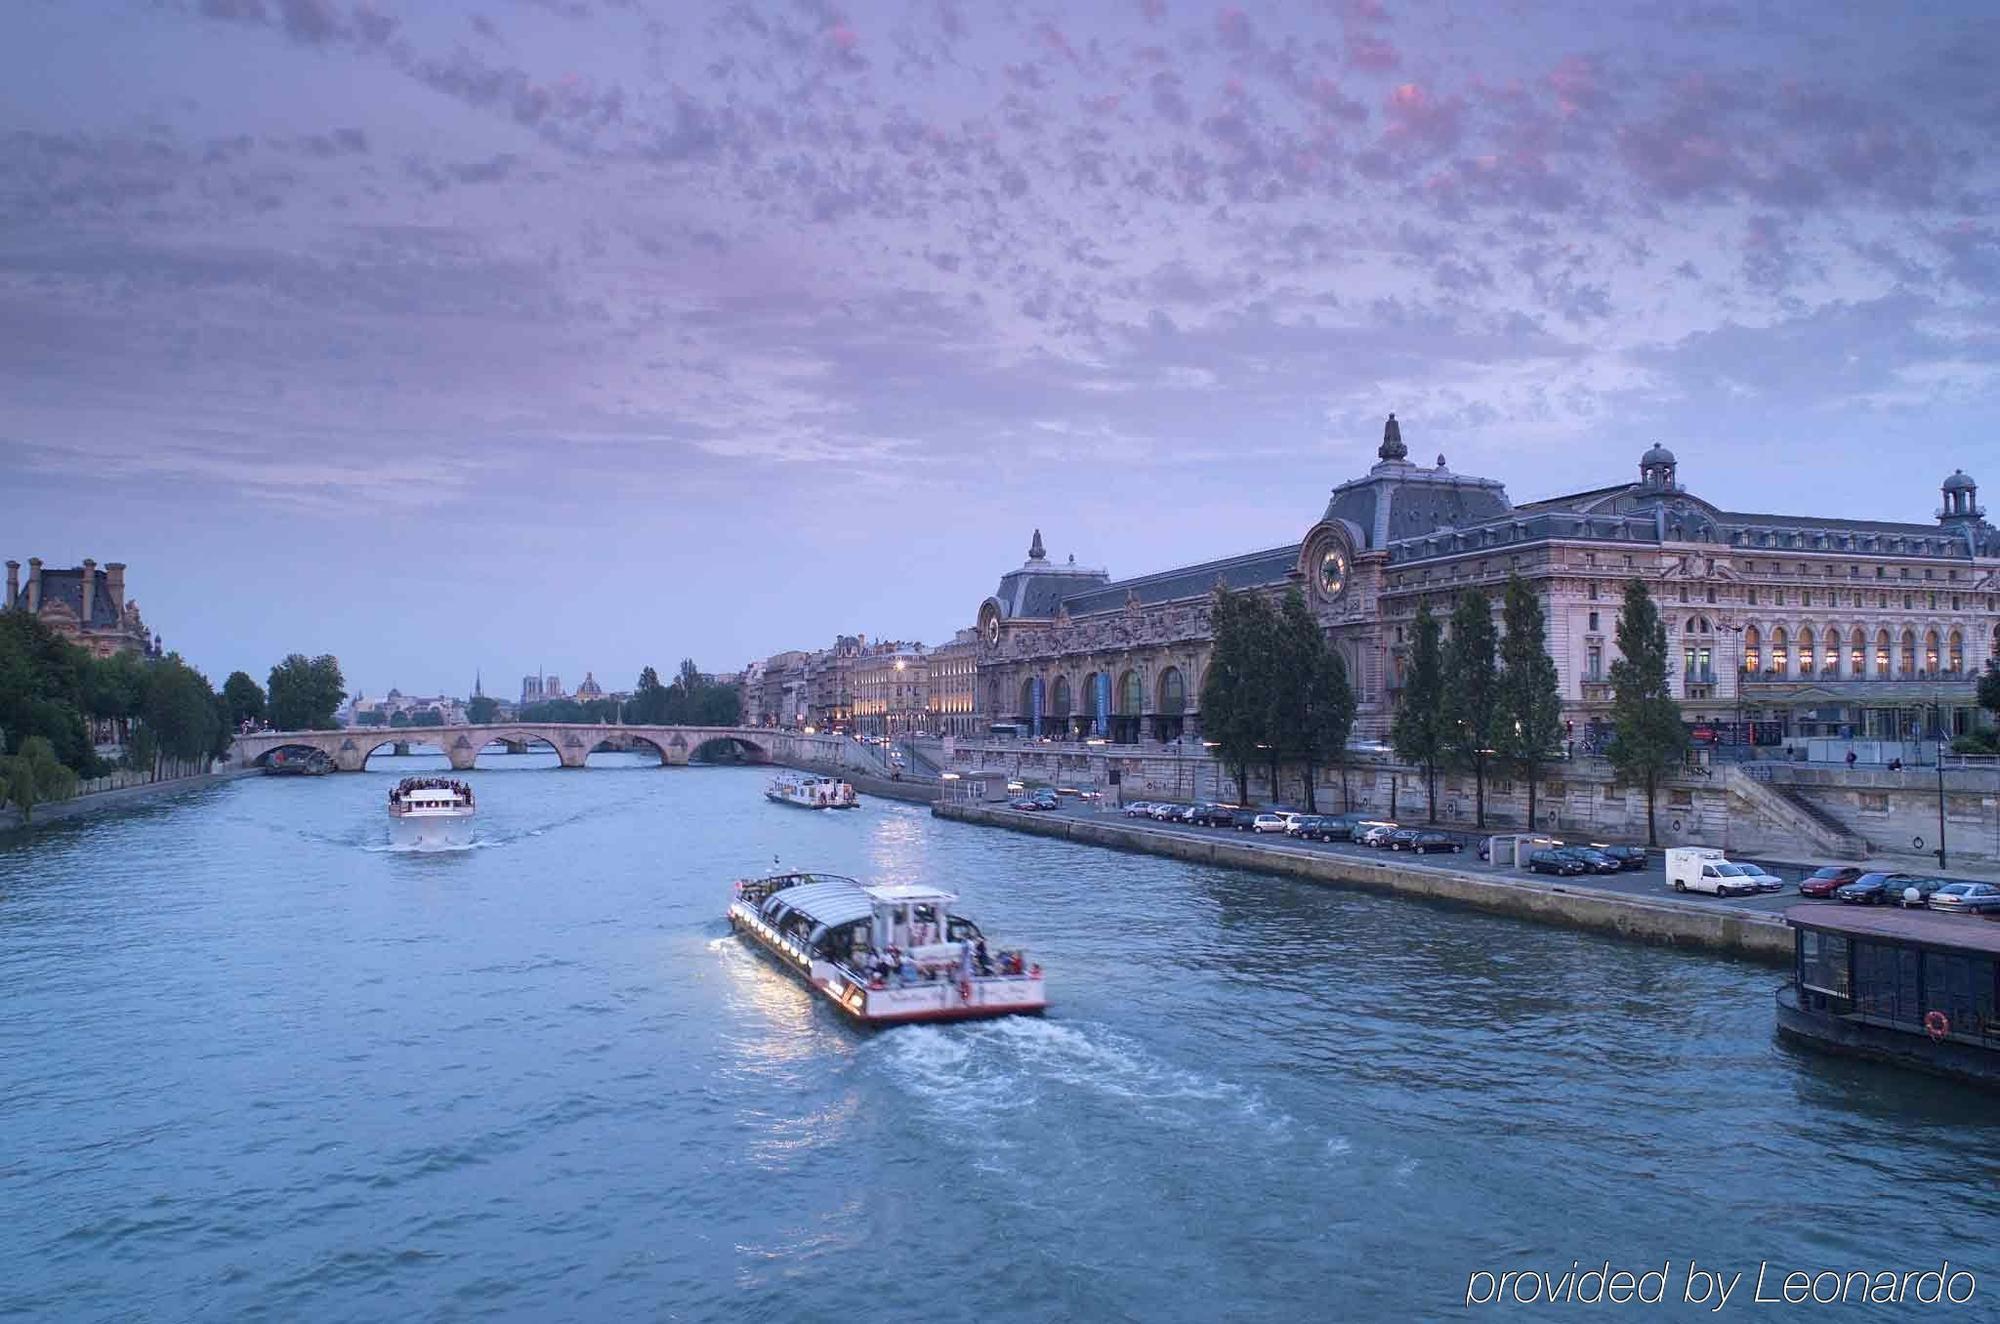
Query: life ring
[[876, 983], [1937, 1025]]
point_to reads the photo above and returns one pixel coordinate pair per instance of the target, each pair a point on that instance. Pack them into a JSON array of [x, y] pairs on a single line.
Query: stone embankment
[[1706, 925], [123, 797]]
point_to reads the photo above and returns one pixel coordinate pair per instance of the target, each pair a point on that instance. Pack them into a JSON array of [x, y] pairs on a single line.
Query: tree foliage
[[180, 710], [1648, 739], [482, 710], [1989, 686], [1417, 732], [1234, 709], [34, 775], [1313, 708], [1275, 691], [1529, 722], [42, 689], [243, 700], [304, 693], [1472, 692]]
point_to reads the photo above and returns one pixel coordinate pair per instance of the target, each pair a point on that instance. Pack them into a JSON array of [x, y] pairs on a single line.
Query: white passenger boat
[[885, 955], [811, 791], [431, 813]]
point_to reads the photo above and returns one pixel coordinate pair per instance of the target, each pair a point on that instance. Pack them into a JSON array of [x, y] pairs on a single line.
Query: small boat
[[810, 790], [431, 813], [885, 955], [312, 763]]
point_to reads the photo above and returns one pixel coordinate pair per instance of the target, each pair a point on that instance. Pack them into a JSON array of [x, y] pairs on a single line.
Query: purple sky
[[587, 333]]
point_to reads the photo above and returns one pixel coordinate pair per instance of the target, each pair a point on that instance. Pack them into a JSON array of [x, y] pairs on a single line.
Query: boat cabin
[[1903, 984]]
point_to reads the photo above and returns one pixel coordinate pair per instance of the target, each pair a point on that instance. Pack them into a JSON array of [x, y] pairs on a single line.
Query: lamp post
[[1937, 715], [1737, 631]]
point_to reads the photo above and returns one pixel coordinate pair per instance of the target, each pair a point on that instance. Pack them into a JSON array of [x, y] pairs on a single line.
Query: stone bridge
[[351, 747]]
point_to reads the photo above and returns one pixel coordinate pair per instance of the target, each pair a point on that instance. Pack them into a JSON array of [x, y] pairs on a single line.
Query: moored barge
[[1911, 987], [811, 791], [884, 955]]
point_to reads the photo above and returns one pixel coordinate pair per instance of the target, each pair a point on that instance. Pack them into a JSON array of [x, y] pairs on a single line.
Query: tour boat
[[811, 791], [885, 955], [313, 763], [431, 813]]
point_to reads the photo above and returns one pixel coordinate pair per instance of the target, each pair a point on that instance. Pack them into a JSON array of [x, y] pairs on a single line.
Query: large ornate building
[[1782, 624], [85, 605]]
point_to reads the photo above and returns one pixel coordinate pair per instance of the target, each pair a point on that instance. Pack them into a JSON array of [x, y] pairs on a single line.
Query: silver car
[[1967, 898]]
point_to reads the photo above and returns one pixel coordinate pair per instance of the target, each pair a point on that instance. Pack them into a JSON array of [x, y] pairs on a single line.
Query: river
[[258, 1065]]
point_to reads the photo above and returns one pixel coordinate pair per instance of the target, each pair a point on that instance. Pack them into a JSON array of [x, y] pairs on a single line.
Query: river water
[[258, 1065]]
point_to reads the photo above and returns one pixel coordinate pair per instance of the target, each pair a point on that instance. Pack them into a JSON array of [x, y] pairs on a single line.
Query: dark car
[[1211, 815], [1243, 820], [1628, 857], [1822, 882], [1592, 859], [1029, 804], [1307, 827], [1872, 889], [1435, 843], [1556, 862], [1402, 838], [1925, 888]]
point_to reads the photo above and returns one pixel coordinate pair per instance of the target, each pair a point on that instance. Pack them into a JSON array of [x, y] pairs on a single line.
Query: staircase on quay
[[1796, 812]]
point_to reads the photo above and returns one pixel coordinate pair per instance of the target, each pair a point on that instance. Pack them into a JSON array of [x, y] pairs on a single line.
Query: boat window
[[1823, 963], [924, 914], [962, 930], [1888, 981], [1960, 984]]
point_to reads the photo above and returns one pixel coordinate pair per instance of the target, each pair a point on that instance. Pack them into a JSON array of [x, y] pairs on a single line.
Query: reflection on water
[[259, 1063]]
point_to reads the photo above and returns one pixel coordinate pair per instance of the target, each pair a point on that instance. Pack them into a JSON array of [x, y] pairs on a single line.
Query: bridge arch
[[727, 748], [473, 747], [280, 754]]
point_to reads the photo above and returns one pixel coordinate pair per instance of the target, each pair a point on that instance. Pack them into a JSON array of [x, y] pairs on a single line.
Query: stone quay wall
[[1709, 927]]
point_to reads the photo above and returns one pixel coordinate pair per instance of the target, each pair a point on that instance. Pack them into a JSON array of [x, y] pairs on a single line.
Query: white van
[[1705, 869]]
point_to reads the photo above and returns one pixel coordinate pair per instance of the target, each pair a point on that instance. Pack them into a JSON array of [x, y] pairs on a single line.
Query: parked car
[[1822, 882], [1167, 812], [1210, 815], [1967, 898], [1032, 805], [1305, 826], [1628, 857], [1243, 819], [1268, 823], [1594, 860], [1139, 809], [1872, 889], [1559, 862], [1925, 888], [1373, 833], [1766, 880], [1435, 843], [1340, 827]]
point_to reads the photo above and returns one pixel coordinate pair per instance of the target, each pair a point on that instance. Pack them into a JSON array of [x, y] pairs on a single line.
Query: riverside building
[[1781, 625], [84, 604]]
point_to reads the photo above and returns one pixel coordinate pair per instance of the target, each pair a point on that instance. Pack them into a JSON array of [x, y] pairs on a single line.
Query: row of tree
[[1477, 699], [1276, 692]]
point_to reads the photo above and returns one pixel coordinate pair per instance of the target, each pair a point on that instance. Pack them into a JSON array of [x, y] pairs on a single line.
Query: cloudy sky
[[589, 333]]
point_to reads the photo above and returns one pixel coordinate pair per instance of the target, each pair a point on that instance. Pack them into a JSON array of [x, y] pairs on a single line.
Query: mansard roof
[[66, 587], [1263, 569]]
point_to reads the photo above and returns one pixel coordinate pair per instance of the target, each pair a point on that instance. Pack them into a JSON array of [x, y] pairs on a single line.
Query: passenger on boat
[[980, 958]]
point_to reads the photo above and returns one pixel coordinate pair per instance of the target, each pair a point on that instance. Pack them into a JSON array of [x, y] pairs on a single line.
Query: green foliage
[[1417, 732], [691, 700], [34, 775], [1529, 725], [427, 717], [304, 693], [180, 709], [142, 750], [1274, 690], [483, 709], [115, 686], [1235, 707], [1312, 705], [370, 717], [243, 700], [42, 691], [1648, 739], [1989, 686], [399, 719], [1472, 692]]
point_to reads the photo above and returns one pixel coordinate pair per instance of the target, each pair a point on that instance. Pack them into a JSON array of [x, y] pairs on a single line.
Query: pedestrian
[[1850, 758]]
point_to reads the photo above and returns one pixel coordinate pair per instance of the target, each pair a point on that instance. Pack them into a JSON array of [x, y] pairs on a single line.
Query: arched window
[[1781, 654], [1027, 697], [1173, 693], [1931, 651], [1130, 696], [1955, 656], [1857, 654], [1882, 654], [1753, 650], [993, 712], [1808, 660], [1909, 652], [1060, 701]]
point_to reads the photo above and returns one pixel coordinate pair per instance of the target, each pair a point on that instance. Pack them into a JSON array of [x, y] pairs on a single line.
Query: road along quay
[[1605, 904]]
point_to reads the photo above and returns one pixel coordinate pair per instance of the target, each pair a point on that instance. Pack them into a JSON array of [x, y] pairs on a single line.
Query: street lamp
[[1737, 630], [1937, 713]]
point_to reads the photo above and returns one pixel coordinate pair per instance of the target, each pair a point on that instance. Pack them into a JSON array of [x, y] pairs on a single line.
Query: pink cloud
[[1418, 119], [1373, 53], [1578, 84]]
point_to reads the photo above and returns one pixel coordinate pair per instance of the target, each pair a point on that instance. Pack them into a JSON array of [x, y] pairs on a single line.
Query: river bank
[[1659, 920], [123, 797]]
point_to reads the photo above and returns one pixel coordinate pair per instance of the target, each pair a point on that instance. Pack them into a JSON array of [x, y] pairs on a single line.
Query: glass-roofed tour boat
[[808, 790], [885, 955]]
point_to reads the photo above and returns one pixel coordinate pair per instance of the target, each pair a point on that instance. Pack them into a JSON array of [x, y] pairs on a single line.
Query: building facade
[[954, 677], [891, 684], [85, 605], [1781, 625]]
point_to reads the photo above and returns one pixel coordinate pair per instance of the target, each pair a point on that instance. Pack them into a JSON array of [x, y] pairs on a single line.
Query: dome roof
[[1658, 455], [1958, 482]]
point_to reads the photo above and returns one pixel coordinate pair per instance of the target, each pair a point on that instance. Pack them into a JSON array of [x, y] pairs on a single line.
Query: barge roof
[[1969, 933]]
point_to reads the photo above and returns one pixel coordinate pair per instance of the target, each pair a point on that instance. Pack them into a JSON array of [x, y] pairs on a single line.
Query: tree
[[1471, 692], [1989, 687], [114, 687], [242, 700], [42, 691], [649, 703], [1234, 710], [400, 718], [427, 717], [370, 717], [1530, 717], [180, 709], [1314, 705], [1648, 739], [305, 692], [1417, 733], [35, 776], [482, 710]]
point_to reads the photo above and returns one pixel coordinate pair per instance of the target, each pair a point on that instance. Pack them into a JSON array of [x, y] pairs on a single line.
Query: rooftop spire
[[1392, 441]]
